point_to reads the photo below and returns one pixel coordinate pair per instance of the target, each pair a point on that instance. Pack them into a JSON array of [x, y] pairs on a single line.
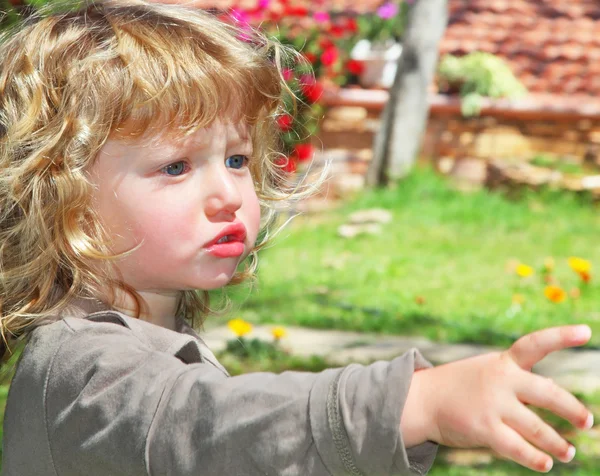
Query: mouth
[[229, 242]]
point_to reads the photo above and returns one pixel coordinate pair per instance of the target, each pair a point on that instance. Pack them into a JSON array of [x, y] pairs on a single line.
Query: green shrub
[[479, 75]]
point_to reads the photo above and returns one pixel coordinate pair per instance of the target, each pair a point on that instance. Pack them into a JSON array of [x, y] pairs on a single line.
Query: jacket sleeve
[[127, 409]]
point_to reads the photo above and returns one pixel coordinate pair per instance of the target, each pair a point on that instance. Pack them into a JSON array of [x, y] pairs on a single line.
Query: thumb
[[531, 348]]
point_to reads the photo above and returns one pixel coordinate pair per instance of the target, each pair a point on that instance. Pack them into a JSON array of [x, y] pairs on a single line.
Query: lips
[[235, 232]]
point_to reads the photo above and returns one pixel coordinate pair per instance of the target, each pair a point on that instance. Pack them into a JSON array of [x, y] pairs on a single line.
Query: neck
[[158, 307]]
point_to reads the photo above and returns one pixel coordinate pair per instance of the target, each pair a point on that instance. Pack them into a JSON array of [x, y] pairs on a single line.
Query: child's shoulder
[[112, 332], [67, 345], [90, 369], [95, 330], [110, 336]]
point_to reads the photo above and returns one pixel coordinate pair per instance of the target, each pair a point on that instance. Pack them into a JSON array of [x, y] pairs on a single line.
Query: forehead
[[218, 132]]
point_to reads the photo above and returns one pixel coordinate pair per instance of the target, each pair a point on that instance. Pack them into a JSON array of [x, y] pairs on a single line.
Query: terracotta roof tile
[[548, 44]]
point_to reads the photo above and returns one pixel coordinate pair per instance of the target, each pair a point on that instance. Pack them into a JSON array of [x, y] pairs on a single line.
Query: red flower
[[273, 16], [352, 25], [285, 122], [304, 152], [295, 11], [337, 31], [329, 56], [313, 92], [355, 67], [288, 163], [325, 43], [311, 57]]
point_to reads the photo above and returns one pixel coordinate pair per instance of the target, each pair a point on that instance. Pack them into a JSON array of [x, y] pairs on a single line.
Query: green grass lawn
[[439, 269]]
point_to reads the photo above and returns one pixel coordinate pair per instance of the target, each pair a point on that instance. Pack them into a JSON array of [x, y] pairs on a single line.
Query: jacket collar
[[184, 343]]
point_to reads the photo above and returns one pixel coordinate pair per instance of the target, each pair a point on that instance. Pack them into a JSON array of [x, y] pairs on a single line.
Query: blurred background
[[462, 205]]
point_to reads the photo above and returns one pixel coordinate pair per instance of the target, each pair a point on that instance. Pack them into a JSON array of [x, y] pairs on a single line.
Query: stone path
[[576, 370]]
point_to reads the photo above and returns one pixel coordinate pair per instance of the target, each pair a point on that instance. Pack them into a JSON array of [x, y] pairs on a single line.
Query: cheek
[[130, 217], [252, 212], [161, 223]]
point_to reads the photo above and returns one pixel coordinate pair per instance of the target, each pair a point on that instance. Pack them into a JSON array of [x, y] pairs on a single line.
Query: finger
[[540, 434], [545, 393], [532, 348], [509, 444]]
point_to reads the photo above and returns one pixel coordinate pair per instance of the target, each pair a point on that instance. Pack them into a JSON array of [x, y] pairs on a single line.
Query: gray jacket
[[110, 395]]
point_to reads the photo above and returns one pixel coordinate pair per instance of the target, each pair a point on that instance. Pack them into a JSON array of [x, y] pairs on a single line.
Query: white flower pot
[[380, 63]]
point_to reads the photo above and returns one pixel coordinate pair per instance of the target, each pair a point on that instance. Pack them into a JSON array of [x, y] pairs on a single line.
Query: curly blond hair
[[68, 82]]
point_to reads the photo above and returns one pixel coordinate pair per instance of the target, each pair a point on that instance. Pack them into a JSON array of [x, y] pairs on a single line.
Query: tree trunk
[[405, 115]]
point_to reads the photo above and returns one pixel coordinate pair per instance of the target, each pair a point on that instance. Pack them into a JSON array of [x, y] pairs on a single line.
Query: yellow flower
[[239, 327], [555, 294], [549, 264], [278, 332], [523, 270], [518, 299], [580, 265]]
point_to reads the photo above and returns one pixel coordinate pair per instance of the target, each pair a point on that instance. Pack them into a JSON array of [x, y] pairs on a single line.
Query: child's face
[[176, 196]]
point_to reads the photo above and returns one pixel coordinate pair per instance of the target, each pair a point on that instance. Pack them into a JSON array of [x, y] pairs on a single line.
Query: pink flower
[[240, 16], [387, 10], [263, 4], [245, 37], [307, 79], [321, 17], [287, 74]]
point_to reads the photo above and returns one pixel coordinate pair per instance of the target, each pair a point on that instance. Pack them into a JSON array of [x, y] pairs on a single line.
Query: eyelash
[[186, 166]]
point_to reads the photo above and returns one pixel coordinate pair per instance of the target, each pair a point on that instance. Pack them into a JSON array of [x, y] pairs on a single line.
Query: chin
[[216, 282]]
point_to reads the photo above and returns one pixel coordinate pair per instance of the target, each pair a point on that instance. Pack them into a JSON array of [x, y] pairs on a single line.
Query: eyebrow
[[234, 143], [240, 141]]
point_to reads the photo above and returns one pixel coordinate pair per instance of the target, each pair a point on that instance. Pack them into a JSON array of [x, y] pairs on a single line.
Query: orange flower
[[555, 294], [585, 276]]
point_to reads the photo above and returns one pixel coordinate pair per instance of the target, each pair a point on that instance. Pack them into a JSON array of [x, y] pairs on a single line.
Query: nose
[[223, 196]]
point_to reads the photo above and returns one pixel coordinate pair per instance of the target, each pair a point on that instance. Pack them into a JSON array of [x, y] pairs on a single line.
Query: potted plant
[[379, 47]]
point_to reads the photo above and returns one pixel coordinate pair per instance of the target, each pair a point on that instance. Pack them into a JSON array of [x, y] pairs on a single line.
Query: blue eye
[[237, 161], [175, 169]]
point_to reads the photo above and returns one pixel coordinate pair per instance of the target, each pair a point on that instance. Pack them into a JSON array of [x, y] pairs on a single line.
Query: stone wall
[[490, 137], [449, 134], [537, 124]]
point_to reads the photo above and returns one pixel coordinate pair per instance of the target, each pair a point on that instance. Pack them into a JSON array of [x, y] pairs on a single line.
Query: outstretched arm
[[481, 401]]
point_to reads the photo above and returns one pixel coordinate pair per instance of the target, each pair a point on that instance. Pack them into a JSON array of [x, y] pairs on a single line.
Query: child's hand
[[481, 401]]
